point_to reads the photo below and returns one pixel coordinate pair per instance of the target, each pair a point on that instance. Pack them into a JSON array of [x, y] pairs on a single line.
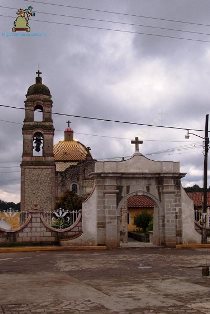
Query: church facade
[[48, 171]]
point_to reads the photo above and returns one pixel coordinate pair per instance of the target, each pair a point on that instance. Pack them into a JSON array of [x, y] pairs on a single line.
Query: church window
[[38, 113], [74, 188], [38, 142]]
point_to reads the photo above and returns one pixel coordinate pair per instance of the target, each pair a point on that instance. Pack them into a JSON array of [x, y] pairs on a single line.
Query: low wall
[[34, 229]]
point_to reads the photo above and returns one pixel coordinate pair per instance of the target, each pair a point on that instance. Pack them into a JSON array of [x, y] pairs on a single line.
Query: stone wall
[[38, 188], [35, 230], [78, 174]]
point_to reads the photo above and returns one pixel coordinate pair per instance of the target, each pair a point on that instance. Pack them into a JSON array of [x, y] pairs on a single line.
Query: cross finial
[[38, 73], [136, 142], [68, 122]]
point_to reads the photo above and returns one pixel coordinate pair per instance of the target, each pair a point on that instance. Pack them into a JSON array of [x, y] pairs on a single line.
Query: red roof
[[197, 198], [140, 201]]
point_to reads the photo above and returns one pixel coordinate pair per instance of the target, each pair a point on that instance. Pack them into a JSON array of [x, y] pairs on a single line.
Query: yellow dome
[[70, 151]]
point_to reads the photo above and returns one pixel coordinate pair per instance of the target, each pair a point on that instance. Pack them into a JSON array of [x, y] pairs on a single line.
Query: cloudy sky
[[138, 73]]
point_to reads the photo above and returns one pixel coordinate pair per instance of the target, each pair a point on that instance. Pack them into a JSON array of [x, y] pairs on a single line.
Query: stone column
[[112, 238], [124, 224], [170, 212], [101, 220]]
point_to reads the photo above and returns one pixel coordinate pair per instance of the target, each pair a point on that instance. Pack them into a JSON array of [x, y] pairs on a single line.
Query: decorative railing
[[61, 219], [200, 218], [11, 219]]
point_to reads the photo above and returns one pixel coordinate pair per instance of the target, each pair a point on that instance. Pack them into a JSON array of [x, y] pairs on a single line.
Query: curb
[[50, 248], [193, 246]]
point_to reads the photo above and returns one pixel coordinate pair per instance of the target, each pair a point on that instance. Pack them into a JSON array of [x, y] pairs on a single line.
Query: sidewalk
[[136, 244]]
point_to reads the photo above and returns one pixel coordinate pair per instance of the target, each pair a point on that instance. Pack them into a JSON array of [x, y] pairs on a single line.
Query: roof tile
[[197, 198], [140, 201]]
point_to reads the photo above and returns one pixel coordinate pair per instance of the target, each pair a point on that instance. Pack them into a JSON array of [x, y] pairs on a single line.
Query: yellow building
[[136, 205]]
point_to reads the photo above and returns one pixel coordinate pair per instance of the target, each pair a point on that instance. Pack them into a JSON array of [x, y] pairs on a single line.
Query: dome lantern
[[38, 88]]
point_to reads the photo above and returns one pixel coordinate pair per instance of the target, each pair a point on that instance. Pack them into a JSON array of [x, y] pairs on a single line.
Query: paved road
[[137, 280]]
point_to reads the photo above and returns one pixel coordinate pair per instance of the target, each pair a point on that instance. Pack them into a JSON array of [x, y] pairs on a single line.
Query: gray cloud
[[107, 74]]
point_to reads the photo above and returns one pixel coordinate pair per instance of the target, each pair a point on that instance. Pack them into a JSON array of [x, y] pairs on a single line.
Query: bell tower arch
[[38, 165]]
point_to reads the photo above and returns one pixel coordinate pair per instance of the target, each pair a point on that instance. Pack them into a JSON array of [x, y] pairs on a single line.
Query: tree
[[70, 201], [195, 188], [143, 220], [7, 205]]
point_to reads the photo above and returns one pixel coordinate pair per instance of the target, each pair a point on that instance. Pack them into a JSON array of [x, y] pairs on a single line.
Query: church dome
[[38, 88], [70, 150]]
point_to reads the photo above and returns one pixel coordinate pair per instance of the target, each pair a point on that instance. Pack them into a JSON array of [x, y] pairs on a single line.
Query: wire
[[110, 120], [116, 30], [10, 122], [9, 167], [107, 136], [10, 172], [170, 150], [115, 22], [119, 13]]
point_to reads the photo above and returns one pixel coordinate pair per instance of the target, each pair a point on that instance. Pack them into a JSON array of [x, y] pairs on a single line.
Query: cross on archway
[[136, 142], [68, 122], [38, 73]]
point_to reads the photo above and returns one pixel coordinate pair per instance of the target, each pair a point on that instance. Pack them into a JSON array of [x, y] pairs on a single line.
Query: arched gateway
[[105, 211], [157, 215]]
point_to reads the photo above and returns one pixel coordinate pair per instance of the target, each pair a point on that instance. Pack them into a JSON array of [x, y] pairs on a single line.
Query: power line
[[9, 167], [12, 122], [108, 136], [123, 157], [115, 22], [110, 120], [170, 150], [116, 30], [120, 13], [10, 172]]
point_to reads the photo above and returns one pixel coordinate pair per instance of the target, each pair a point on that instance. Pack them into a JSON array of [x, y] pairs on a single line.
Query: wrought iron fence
[[61, 218], [201, 218]]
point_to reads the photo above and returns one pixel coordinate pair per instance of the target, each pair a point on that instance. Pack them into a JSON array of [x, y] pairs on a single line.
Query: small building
[[197, 198], [137, 204]]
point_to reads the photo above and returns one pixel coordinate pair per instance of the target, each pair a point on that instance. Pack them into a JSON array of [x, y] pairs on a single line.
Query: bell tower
[[38, 166]]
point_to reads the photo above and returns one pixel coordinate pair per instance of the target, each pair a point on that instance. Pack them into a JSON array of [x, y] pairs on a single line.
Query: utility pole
[[205, 179]]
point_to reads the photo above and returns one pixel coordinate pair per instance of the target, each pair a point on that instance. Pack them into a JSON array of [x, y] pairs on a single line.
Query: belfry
[[38, 166]]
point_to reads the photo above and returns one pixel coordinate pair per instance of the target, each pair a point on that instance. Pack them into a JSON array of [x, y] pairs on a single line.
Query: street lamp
[[205, 177]]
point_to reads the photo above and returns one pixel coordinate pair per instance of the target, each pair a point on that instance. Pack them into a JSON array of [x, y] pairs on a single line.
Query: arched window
[[38, 143], [38, 113], [74, 188]]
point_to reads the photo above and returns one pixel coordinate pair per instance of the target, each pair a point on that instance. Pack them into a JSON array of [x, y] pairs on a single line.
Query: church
[[112, 191]]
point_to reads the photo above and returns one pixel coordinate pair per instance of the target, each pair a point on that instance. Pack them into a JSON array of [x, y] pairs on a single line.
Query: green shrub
[[143, 221]]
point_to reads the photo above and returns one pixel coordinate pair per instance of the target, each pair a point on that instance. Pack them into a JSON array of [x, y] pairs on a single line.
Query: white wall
[[189, 234]]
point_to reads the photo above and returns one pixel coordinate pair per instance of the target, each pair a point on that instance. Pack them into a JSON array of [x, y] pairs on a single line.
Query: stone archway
[[122, 209]]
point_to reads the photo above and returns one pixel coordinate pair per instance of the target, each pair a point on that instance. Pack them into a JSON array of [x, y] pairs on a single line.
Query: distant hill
[[7, 205]]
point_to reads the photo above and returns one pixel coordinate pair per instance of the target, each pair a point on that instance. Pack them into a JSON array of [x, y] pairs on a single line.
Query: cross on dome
[[68, 123], [136, 142]]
